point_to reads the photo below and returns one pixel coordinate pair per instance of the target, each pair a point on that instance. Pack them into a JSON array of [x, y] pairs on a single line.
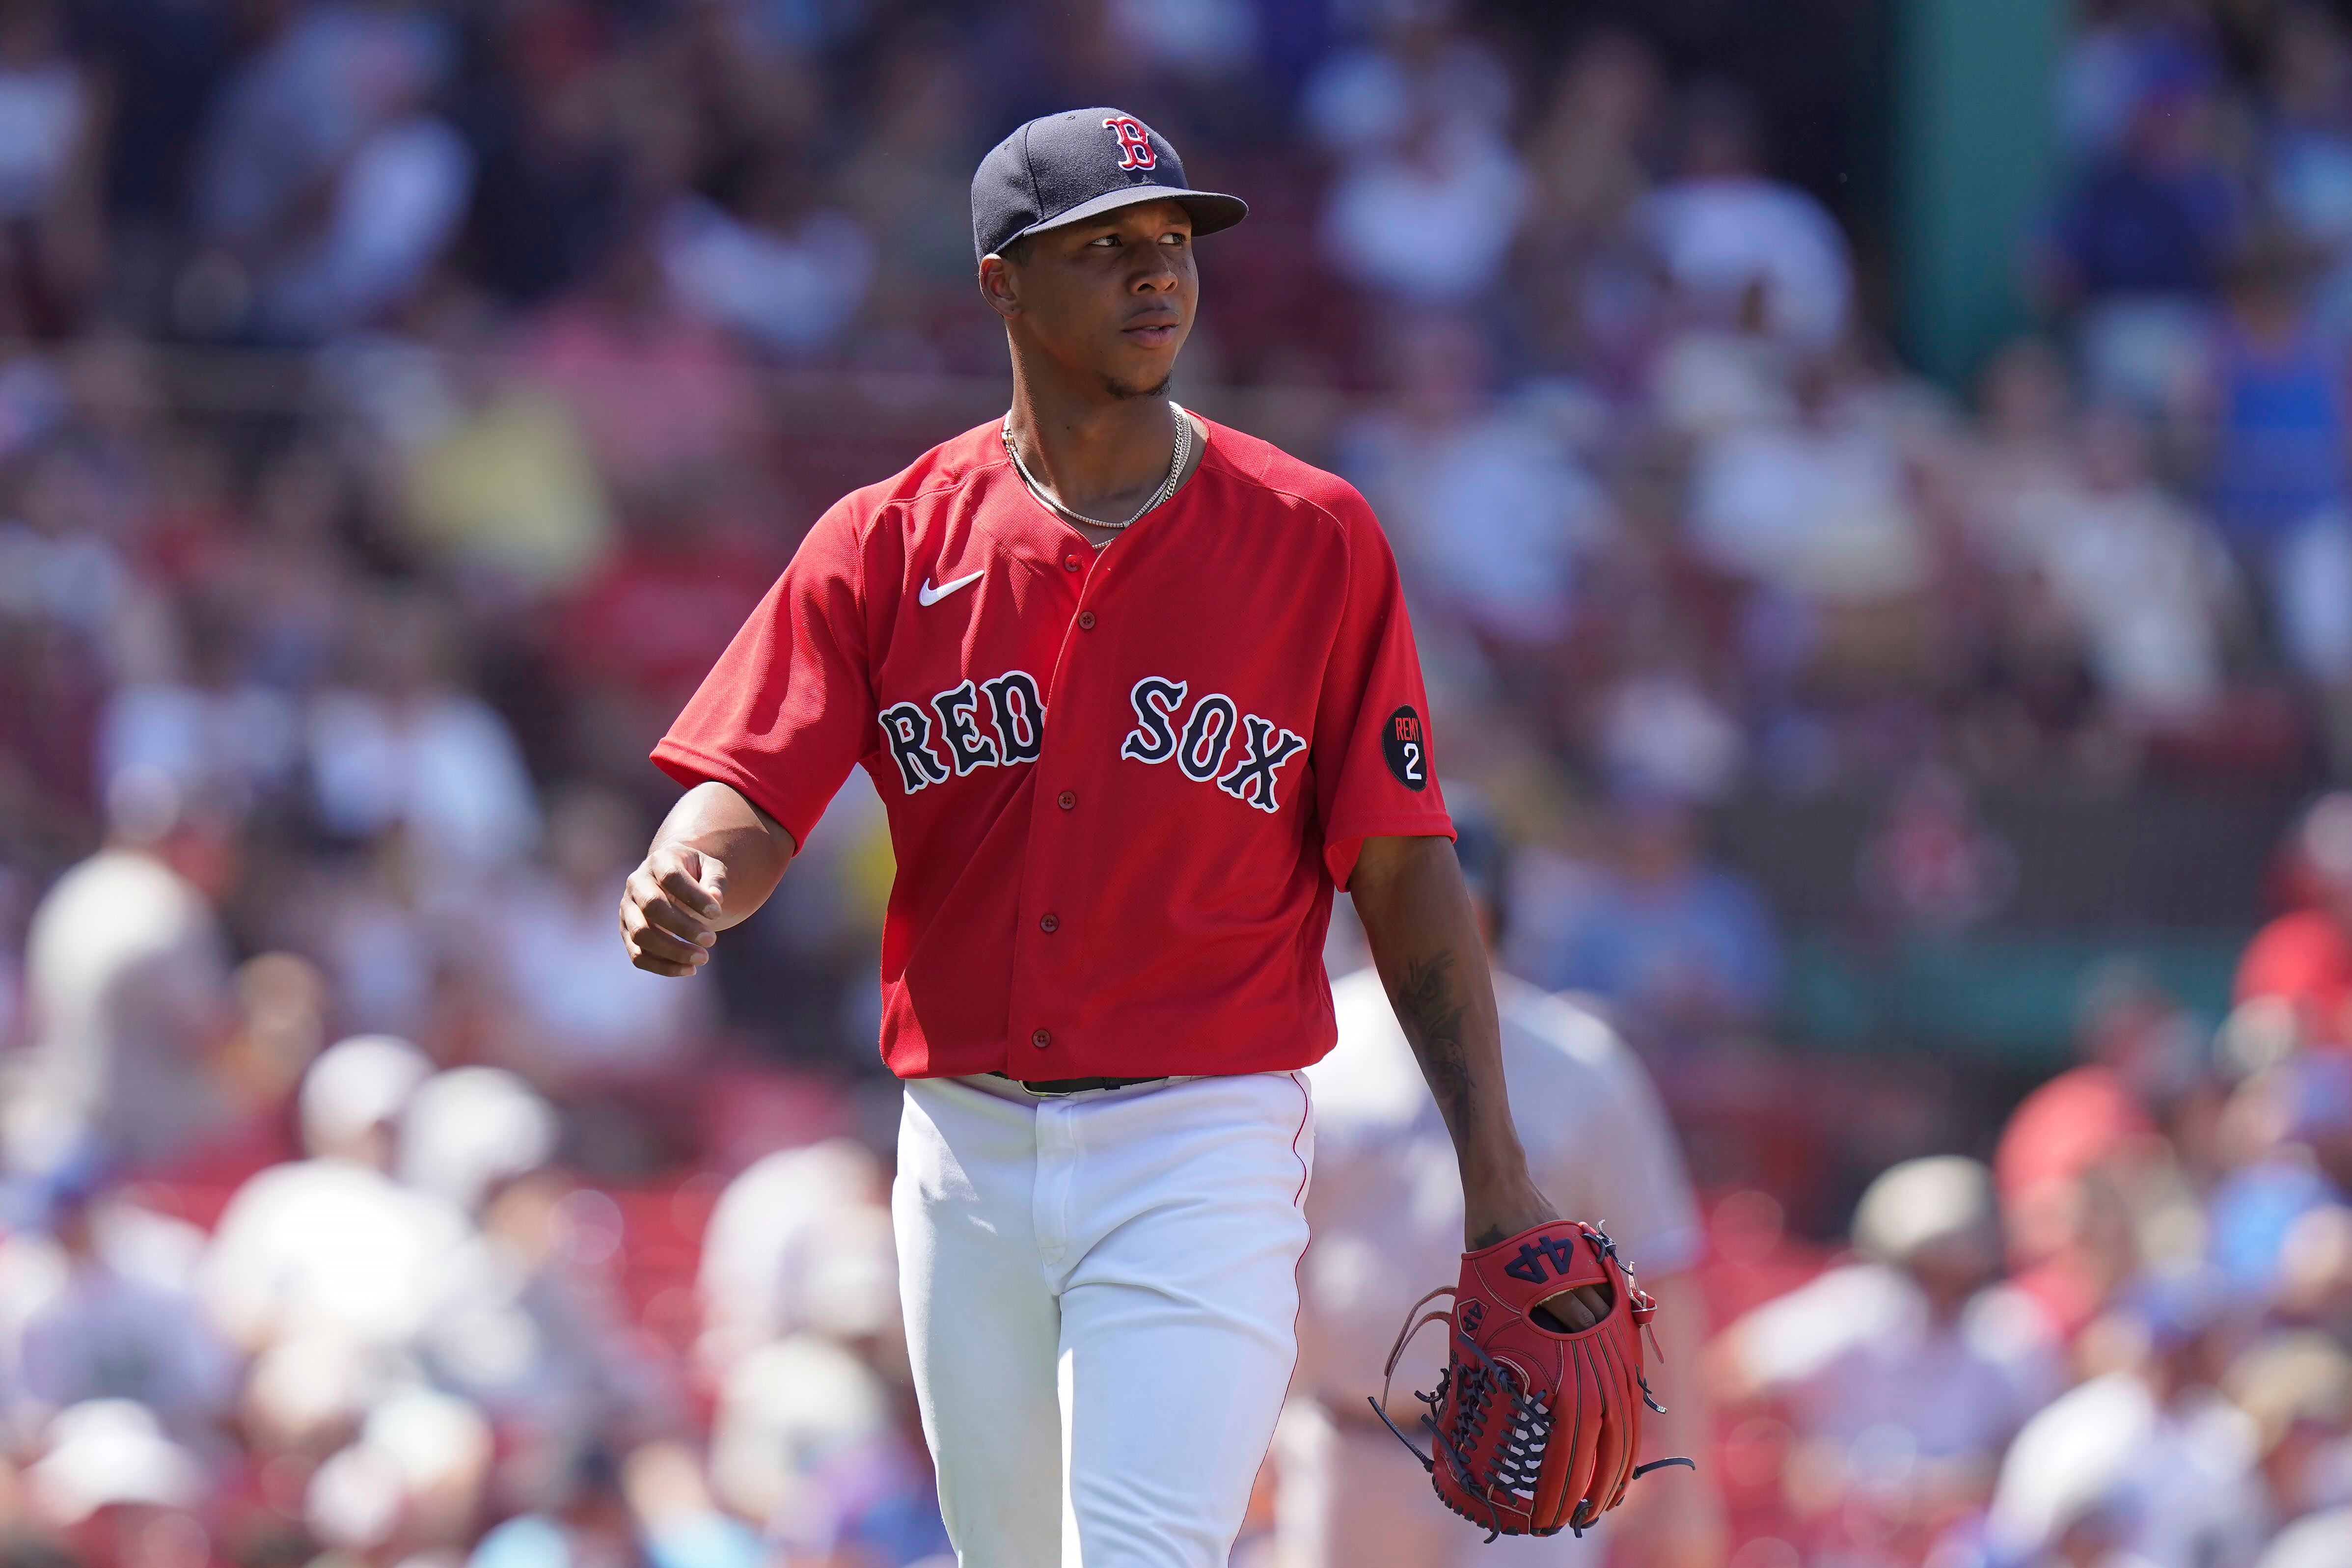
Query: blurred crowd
[[2120, 1341], [401, 402]]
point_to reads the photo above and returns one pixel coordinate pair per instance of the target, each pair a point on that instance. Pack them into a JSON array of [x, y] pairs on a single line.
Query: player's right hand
[[670, 910]]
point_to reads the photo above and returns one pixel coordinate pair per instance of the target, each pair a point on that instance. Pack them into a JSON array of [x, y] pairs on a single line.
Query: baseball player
[[1138, 691], [1386, 1212]]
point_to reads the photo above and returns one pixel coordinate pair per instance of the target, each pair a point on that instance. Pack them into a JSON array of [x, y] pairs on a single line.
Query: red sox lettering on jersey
[[1008, 730], [1015, 732], [1121, 784], [1199, 740], [1134, 141]]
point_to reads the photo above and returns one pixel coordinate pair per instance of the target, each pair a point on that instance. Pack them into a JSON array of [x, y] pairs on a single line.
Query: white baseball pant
[[1102, 1300]]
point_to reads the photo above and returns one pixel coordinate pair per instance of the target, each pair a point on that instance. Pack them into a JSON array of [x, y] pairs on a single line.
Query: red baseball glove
[[1536, 1425]]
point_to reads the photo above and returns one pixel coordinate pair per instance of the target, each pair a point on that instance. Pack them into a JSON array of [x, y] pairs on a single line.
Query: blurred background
[[1873, 481]]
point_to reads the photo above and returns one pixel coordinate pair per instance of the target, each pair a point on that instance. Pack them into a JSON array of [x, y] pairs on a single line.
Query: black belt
[[1058, 1086]]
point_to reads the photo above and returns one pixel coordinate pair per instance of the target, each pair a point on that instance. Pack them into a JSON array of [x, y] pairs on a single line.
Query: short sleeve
[[1373, 776], [789, 708]]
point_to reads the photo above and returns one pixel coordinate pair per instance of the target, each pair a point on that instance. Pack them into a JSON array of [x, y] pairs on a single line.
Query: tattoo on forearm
[[1429, 1000]]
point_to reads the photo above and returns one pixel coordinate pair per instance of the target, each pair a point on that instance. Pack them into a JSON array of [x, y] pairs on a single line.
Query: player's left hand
[[1501, 1209], [1570, 1400]]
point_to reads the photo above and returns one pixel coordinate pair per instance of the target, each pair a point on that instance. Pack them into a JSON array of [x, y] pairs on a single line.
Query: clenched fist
[[716, 858], [671, 909]]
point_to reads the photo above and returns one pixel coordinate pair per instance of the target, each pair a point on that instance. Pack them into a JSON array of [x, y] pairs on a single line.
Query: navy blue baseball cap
[[1062, 168]]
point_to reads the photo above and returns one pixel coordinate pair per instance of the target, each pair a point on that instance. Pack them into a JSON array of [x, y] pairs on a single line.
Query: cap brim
[[1210, 210]]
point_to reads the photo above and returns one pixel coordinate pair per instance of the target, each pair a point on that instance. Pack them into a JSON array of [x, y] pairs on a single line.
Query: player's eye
[[1103, 240], [1175, 236]]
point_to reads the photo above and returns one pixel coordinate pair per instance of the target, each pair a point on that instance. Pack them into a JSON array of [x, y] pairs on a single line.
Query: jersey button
[[1042, 1038], [1069, 563], [1049, 924], [1085, 620], [1067, 800]]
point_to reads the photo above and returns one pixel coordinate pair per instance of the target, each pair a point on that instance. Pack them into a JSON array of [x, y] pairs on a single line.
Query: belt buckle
[[1100, 1083], [1095, 1084], [1026, 1087]]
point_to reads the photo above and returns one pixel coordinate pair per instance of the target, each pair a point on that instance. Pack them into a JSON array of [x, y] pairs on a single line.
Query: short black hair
[[1017, 249]]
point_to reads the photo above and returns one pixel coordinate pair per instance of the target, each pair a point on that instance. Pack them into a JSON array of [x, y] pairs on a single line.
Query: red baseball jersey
[[1121, 784]]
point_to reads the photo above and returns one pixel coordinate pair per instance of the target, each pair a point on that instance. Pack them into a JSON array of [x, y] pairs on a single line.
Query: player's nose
[[1156, 271]]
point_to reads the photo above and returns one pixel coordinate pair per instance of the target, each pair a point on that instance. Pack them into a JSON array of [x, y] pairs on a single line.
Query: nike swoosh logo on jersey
[[927, 594]]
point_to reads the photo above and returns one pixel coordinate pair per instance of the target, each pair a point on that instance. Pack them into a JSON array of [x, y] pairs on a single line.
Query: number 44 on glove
[[1535, 1425]]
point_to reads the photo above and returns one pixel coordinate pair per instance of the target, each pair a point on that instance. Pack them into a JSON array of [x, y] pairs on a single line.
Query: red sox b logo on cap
[[1134, 141]]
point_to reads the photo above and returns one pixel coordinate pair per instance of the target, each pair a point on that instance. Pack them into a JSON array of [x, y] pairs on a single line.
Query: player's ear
[[999, 286]]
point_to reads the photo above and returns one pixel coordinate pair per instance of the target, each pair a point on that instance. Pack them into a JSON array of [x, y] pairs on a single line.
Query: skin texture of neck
[[1102, 456]]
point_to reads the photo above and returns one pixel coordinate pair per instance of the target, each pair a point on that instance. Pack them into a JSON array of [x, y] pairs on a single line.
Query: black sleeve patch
[[1405, 743]]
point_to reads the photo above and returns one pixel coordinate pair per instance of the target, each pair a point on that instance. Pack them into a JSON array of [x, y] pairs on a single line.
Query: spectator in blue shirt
[[2279, 473], [1654, 925], [2158, 215]]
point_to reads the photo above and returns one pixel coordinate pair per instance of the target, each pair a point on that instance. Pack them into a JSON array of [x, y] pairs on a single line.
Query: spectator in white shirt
[[1432, 222], [2146, 1462], [1494, 517], [583, 1016], [405, 745], [1430, 194], [785, 271], [98, 1304], [332, 1246], [2146, 579], [768, 1237], [197, 719], [328, 187], [1917, 1343], [1739, 247], [468, 1131], [1815, 505], [108, 1477], [127, 974]]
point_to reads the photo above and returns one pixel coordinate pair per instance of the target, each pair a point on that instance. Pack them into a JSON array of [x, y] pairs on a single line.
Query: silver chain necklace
[[1167, 487]]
